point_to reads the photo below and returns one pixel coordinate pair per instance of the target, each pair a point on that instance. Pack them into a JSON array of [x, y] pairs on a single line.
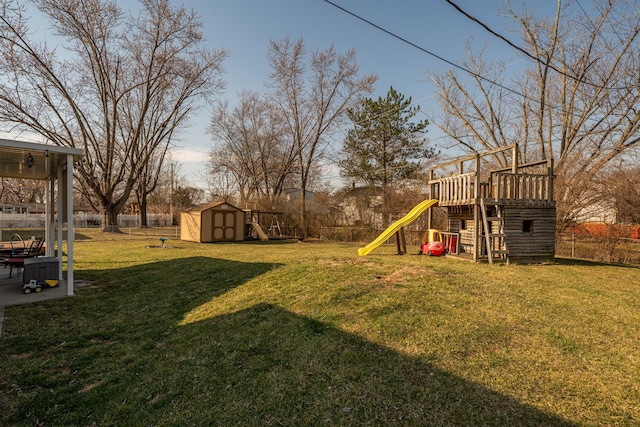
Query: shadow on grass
[[27, 233], [125, 361]]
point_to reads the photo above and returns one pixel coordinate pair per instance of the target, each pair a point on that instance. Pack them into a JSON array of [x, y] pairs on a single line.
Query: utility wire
[[453, 64], [510, 43], [525, 52]]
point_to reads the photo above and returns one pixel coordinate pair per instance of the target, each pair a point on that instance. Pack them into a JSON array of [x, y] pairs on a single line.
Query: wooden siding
[[455, 216], [540, 242], [535, 246]]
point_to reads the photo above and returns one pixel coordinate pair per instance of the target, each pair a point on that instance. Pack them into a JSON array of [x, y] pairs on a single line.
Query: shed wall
[[537, 240], [190, 226], [221, 223], [206, 230], [535, 244]]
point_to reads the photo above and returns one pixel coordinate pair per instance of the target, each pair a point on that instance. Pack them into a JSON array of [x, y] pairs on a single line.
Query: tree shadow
[[129, 362], [282, 368]]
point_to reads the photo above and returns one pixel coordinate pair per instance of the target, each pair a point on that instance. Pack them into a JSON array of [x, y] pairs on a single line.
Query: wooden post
[[476, 213], [487, 233], [431, 194], [514, 160], [401, 243], [550, 172]]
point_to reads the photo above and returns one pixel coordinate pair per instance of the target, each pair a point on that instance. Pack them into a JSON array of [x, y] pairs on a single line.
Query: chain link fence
[[608, 248]]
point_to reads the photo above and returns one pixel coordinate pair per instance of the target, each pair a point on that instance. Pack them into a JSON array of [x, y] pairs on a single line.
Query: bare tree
[[14, 190], [251, 145], [313, 98], [624, 188], [118, 86], [149, 180], [576, 102], [224, 177]]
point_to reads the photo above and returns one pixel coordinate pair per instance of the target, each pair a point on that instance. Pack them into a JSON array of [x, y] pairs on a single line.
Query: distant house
[[291, 194], [360, 205], [602, 212], [14, 208]]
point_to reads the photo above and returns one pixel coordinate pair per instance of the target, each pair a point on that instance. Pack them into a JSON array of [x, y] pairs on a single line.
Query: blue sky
[[244, 27]]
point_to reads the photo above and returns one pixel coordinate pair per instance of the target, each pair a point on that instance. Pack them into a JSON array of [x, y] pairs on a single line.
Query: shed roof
[[210, 206]]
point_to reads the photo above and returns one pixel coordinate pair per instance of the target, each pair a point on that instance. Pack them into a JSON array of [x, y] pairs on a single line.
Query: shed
[[213, 222]]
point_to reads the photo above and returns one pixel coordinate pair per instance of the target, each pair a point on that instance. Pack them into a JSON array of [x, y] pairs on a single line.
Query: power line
[[515, 46], [453, 64]]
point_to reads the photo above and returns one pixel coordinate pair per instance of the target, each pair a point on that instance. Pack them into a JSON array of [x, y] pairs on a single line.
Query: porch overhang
[[29, 160]]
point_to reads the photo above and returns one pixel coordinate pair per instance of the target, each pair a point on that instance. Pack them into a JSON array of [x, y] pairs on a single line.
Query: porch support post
[[59, 221], [70, 232], [48, 217]]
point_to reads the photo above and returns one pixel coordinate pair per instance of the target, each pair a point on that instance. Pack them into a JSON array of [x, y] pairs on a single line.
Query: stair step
[[500, 252], [495, 218]]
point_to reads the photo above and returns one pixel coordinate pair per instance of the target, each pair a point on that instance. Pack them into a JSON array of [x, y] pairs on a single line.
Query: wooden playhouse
[[213, 222], [495, 212]]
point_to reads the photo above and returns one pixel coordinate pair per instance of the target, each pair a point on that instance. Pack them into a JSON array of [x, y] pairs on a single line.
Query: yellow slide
[[261, 234], [406, 220]]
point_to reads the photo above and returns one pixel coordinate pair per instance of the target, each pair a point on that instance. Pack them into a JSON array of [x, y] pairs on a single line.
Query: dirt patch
[[347, 261], [405, 274]]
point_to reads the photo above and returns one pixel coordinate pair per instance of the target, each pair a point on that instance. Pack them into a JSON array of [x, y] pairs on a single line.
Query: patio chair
[[29, 249]]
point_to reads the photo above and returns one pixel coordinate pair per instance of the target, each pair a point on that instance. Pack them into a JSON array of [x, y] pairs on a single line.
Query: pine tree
[[385, 145]]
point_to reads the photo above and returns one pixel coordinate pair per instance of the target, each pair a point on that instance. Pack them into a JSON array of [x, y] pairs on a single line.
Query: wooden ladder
[[493, 249]]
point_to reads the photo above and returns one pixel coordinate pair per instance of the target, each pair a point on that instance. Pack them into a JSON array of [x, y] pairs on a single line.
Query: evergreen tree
[[384, 145]]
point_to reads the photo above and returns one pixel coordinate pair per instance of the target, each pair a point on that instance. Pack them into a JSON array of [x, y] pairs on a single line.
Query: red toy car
[[432, 243], [433, 248]]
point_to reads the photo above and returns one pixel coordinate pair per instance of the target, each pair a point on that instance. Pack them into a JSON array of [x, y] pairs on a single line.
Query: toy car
[[32, 286], [433, 248], [432, 243]]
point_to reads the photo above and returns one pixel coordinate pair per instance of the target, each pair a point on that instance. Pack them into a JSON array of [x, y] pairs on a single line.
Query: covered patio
[[33, 161]]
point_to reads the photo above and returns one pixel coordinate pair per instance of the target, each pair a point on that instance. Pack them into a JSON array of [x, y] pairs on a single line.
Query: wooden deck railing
[[522, 188], [458, 189], [504, 187]]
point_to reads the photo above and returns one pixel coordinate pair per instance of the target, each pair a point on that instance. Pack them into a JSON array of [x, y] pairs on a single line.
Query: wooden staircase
[[495, 242]]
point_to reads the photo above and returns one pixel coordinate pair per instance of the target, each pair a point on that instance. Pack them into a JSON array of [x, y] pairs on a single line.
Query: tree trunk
[[110, 219], [303, 213], [143, 210]]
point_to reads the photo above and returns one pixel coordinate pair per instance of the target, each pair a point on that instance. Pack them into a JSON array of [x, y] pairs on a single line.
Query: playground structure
[[492, 212], [256, 221], [498, 213]]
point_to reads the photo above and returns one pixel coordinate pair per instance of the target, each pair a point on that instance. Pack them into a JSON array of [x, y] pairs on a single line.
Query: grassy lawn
[[291, 333]]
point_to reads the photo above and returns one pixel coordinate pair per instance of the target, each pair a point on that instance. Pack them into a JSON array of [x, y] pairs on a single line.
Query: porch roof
[[29, 160]]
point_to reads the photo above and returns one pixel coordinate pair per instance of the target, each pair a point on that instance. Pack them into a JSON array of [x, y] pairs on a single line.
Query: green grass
[[289, 333]]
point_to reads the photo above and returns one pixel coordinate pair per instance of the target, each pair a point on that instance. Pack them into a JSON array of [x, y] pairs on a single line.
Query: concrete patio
[[11, 291]]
